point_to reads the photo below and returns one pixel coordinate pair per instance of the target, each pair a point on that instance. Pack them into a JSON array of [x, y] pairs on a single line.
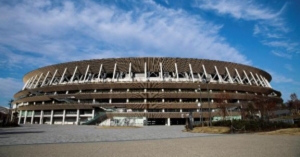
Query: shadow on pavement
[[20, 132]]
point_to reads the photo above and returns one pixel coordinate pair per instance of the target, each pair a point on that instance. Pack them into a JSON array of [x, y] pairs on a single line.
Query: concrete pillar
[[25, 117], [168, 122], [51, 117], [32, 116], [93, 113], [64, 117], [41, 117], [20, 116], [77, 117]]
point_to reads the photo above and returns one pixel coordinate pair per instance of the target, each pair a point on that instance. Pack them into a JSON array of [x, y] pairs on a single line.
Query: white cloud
[[9, 86], [247, 10], [53, 33], [279, 78], [283, 55], [287, 45], [289, 67]]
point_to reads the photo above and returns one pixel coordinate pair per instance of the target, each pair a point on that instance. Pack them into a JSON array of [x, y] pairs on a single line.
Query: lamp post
[[200, 106]]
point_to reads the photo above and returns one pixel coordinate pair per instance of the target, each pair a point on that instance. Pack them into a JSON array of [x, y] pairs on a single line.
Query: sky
[[263, 33]]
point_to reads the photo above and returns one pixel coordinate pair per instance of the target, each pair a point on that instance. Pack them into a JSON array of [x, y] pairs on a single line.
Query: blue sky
[[261, 33]]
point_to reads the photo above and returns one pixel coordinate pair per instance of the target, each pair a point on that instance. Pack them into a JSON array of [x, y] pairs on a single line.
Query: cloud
[[289, 67], [283, 55], [9, 86], [246, 10], [278, 78], [54, 32], [289, 46], [269, 23]]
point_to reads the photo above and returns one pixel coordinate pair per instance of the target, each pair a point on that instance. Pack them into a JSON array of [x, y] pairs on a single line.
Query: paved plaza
[[45, 140], [41, 134]]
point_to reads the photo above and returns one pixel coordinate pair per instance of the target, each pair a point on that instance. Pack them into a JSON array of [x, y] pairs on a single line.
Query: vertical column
[[41, 116], [32, 116], [93, 113], [129, 72], [114, 73], [51, 117], [25, 117], [161, 72], [77, 117], [176, 69], [99, 74], [204, 70], [20, 116], [87, 70], [191, 72], [145, 69], [64, 117]]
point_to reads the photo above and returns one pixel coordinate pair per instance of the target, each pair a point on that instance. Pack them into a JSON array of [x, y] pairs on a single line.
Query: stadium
[[139, 91]]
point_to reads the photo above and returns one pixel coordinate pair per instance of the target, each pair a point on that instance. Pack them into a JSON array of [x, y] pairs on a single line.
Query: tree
[[265, 105], [9, 110], [221, 100], [293, 103]]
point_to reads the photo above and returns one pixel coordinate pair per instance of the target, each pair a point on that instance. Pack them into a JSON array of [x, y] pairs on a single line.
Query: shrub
[[252, 125], [10, 124]]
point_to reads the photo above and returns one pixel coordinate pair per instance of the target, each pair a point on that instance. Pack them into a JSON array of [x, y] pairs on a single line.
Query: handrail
[[97, 118]]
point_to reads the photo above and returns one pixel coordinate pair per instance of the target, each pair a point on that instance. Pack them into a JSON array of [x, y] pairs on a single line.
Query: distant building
[[155, 90]]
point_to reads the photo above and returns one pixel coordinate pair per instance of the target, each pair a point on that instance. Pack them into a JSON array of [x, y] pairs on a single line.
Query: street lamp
[[200, 107]]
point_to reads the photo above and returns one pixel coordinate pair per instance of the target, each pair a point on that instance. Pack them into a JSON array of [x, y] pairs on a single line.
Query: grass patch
[[211, 130], [289, 131]]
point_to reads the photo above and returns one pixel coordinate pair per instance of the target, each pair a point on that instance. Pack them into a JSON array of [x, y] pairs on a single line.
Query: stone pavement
[[154, 141], [40, 134]]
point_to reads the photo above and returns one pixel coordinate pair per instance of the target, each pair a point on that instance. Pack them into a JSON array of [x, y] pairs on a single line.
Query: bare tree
[[293, 103], [221, 100], [8, 118], [265, 106]]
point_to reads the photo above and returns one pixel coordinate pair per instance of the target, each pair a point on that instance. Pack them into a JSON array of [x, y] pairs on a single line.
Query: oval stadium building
[[139, 91]]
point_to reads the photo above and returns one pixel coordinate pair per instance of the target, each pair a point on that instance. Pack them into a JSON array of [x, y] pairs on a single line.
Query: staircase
[[98, 118]]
